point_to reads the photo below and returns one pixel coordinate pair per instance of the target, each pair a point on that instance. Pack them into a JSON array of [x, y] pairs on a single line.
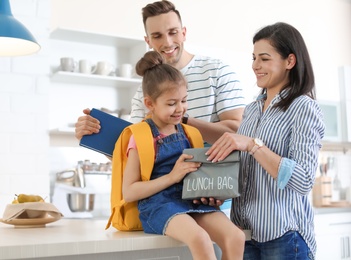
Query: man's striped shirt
[[212, 89]]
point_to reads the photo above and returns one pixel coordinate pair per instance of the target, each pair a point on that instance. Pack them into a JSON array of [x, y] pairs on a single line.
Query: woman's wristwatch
[[258, 143]]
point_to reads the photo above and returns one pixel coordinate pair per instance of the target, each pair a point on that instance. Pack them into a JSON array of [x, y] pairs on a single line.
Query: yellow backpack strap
[[119, 160], [194, 136], [143, 138]]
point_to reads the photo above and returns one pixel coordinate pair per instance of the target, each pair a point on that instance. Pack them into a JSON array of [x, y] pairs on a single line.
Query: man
[[215, 99]]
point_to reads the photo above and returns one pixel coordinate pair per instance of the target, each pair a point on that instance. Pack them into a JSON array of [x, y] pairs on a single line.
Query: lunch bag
[[217, 180], [125, 215]]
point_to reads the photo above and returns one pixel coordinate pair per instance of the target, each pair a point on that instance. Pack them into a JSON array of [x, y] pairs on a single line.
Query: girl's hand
[[182, 168], [209, 201]]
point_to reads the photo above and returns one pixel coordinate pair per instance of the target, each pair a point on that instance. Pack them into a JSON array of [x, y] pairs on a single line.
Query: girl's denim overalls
[[157, 210]]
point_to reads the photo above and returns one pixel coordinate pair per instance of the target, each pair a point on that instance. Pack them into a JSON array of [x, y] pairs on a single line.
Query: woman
[[280, 137]]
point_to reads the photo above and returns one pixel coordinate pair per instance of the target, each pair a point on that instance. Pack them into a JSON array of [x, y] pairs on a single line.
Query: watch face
[[258, 142]]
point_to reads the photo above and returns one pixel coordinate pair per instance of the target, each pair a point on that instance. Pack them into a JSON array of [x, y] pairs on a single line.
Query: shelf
[[63, 138], [336, 146], [95, 38], [91, 79], [115, 49]]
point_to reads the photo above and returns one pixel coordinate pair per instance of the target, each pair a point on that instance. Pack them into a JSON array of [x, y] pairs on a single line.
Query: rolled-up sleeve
[[305, 143]]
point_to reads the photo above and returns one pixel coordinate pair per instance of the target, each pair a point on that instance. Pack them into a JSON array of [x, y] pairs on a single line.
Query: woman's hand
[[86, 125], [226, 144], [182, 168]]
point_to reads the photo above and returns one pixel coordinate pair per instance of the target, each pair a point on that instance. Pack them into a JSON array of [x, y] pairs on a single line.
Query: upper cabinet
[[337, 115], [72, 90], [94, 47], [345, 101]]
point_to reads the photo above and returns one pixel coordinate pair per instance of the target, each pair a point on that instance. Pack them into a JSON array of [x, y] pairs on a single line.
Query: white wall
[[225, 24], [213, 25], [24, 98]]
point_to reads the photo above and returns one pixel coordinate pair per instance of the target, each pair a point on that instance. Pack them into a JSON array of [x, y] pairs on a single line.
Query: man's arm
[[138, 109], [229, 122], [228, 105]]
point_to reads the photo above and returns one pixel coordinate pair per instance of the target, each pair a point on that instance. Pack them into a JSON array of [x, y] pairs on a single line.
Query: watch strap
[[254, 149], [257, 145]]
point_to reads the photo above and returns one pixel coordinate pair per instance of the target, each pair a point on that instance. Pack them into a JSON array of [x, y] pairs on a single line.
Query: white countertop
[[67, 237], [73, 237]]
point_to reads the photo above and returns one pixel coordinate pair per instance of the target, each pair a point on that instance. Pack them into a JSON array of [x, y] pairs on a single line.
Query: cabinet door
[[345, 102], [333, 233], [328, 247], [345, 247]]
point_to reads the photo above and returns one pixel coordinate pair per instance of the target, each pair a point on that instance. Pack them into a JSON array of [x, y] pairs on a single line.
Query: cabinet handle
[[340, 223], [345, 247], [342, 248]]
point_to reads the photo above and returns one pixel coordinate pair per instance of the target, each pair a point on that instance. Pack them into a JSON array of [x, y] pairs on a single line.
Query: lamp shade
[[15, 39]]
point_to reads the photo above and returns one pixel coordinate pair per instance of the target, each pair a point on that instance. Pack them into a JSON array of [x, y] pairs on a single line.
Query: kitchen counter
[[85, 238], [329, 210]]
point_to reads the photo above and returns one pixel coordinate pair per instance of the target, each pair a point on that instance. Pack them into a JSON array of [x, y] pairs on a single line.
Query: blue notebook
[[111, 128]]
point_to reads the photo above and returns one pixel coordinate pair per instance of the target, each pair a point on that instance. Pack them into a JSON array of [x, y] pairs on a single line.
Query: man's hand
[[86, 125]]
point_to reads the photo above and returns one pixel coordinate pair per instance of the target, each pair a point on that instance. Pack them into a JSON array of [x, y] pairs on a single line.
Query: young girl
[[160, 204], [280, 137]]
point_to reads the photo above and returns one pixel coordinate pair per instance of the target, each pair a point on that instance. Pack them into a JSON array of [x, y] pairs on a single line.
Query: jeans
[[288, 247]]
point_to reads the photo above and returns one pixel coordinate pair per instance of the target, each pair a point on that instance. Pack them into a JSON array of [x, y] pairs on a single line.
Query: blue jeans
[[290, 246]]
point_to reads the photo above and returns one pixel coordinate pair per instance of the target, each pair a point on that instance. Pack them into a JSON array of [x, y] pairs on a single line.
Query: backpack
[[125, 215]]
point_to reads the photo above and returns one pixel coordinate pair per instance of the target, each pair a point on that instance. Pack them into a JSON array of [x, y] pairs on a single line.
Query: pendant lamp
[[15, 39]]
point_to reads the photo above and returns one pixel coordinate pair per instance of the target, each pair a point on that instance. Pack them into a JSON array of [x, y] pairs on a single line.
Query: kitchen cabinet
[[336, 115], [112, 91], [93, 46], [345, 101], [333, 236], [83, 44]]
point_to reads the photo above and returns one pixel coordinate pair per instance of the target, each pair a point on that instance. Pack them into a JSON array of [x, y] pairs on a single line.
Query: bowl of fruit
[[30, 210], [33, 210]]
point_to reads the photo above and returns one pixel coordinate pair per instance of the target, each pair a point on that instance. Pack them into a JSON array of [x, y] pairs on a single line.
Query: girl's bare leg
[[227, 236], [185, 229]]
